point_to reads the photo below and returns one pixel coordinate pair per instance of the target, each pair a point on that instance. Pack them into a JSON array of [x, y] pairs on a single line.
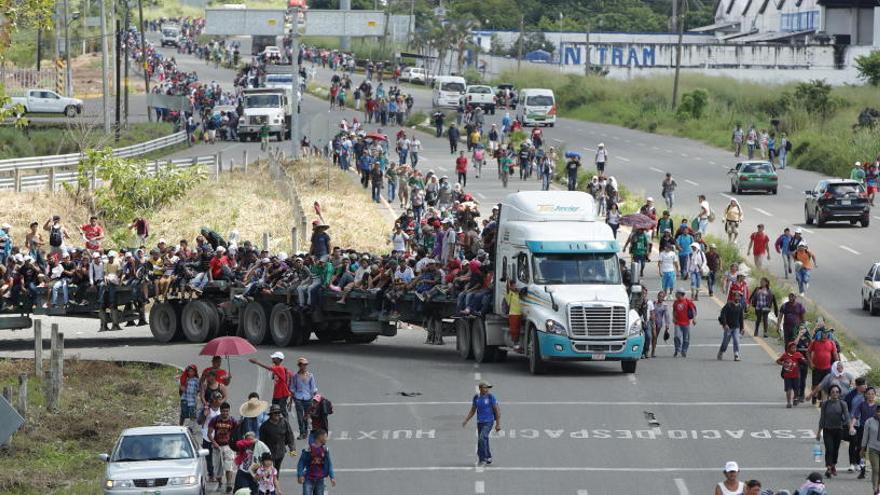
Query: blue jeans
[[803, 278], [668, 280], [695, 279], [730, 334], [572, 181], [60, 286], [301, 406], [200, 281], [414, 159], [704, 225], [377, 192], [392, 190], [670, 200], [483, 430], [403, 154], [313, 487], [710, 282], [545, 182], [683, 263], [682, 338]]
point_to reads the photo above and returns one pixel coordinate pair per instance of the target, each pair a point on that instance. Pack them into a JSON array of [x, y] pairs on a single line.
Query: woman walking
[[612, 218], [871, 449], [833, 420], [696, 262], [763, 300], [659, 319], [731, 485]]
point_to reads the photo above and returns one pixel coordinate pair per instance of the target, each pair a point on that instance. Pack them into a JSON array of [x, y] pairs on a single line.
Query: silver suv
[[159, 460]]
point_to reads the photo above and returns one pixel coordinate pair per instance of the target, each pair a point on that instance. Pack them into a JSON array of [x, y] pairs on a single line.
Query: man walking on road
[[667, 188], [277, 435], [731, 319], [453, 134], [737, 140], [485, 406], [601, 158], [705, 214], [304, 390], [280, 375], [461, 167], [759, 246], [684, 314], [791, 315], [571, 168], [782, 245], [804, 262], [220, 433]]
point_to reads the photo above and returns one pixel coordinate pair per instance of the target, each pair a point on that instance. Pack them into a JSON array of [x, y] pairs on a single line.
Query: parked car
[[499, 94], [871, 290], [836, 200], [156, 460], [271, 51], [47, 101], [754, 176], [414, 75], [477, 95]]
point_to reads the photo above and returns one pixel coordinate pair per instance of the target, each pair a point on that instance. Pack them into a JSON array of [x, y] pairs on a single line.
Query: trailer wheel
[[482, 352], [537, 365], [199, 321], [281, 325], [629, 366], [254, 323], [463, 338], [165, 322]]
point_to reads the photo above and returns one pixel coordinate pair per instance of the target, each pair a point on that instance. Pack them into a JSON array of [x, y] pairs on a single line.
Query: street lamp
[[68, 76]]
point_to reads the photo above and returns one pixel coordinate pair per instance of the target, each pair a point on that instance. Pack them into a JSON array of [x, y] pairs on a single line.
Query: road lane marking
[[558, 140], [668, 151], [480, 469], [481, 195], [623, 158], [682, 487], [876, 217], [632, 379], [527, 469], [764, 212], [564, 403], [699, 158], [478, 376], [684, 155], [589, 149], [728, 196], [582, 492], [807, 230], [691, 182], [655, 169], [849, 249], [655, 148], [787, 186], [711, 162], [479, 487]]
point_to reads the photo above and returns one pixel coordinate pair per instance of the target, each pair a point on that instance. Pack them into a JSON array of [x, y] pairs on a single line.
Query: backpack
[[787, 145], [55, 239]]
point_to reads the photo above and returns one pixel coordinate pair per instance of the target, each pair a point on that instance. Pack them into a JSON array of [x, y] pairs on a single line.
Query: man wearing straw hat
[[252, 415]]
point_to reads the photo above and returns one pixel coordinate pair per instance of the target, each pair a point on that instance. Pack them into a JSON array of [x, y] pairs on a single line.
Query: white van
[[536, 107], [447, 91]]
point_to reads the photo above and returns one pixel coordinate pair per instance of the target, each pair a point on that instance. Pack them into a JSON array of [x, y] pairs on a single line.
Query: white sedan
[[159, 460], [871, 290]]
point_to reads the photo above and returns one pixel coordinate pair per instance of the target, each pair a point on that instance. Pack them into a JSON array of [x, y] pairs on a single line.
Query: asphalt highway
[[583, 428]]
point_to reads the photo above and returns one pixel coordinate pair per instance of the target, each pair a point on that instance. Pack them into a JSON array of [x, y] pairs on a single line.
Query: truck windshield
[[576, 268], [452, 87], [170, 32], [262, 101]]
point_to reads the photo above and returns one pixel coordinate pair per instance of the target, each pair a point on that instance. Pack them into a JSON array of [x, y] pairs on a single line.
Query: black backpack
[[55, 239]]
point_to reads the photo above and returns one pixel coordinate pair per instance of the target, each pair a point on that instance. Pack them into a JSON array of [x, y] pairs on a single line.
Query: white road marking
[[558, 140], [787, 186], [711, 162], [668, 151], [655, 169], [582, 492], [700, 158], [655, 148], [561, 403], [807, 230], [691, 182], [623, 158], [632, 379], [708, 469], [764, 212], [481, 195], [478, 376], [685, 155], [728, 196], [682, 487], [589, 149], [849, 249], [876, 217], [480, 469], [479, 487]]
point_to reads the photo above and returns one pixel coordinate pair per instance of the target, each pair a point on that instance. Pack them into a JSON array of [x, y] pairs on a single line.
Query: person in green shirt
[[857, 173], [639, 247], [264, 136], [505, 163], [664, 223]]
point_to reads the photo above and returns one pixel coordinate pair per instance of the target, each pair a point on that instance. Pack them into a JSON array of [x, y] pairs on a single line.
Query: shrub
[[869, 67], [693, 105]]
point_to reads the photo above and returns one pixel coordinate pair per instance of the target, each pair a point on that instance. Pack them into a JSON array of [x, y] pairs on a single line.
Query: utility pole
[[674, 19], [125, 54], [587, 52], [680, 24], [345, 41], [39, 46], [105, 67], [522, 30], [118, 77], [68, 74], [143, 34], [293, 12]]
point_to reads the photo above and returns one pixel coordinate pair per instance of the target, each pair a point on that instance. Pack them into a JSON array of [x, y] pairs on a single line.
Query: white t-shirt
[[415, 146], [398, 241], [212, 413], [667, 261], [704, 210], [405, 276]]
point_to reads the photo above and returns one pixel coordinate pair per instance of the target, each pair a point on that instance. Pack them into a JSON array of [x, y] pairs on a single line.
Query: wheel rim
[[281, 327]]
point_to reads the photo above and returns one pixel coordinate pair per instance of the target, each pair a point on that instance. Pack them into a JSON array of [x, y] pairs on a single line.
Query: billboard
[[229, 22]]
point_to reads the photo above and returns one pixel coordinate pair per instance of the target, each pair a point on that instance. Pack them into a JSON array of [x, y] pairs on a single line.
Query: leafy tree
[[869, 67], [816, 97], [693, 105], [19, 14]]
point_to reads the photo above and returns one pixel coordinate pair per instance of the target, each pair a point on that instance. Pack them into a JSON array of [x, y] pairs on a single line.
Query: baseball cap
[[484, 383], [680, 290], [815, 477], [277, 355], [731, 467]]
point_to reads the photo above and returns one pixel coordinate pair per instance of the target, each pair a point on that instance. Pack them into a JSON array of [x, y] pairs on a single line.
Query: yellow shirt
[[475, 137], [512, 299]]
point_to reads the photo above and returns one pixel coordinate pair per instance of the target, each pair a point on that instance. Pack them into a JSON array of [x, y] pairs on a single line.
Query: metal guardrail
[[56, 168], [53, 180]]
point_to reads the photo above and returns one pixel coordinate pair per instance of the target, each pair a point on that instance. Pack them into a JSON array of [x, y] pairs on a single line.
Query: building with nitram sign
[[841, 22]]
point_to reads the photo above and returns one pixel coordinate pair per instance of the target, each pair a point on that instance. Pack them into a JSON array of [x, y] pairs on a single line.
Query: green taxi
[[755, 175]]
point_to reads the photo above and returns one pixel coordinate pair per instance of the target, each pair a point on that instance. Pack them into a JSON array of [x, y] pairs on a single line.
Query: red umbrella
[[227, 346], [638, 221], [377, 137]]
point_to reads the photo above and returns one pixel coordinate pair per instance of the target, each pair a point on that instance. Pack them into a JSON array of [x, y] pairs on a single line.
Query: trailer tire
[[255, 323], [463, 338], [199, 321], [482, 352], [629, 366], [281, 325], [165, 322], [537, 366]]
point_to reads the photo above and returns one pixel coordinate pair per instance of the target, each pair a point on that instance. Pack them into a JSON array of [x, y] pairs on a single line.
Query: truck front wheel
[[533, 349], [463, 338], [629, 366]]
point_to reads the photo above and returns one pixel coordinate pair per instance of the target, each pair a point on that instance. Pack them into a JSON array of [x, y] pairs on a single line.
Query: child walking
[[266, 476]]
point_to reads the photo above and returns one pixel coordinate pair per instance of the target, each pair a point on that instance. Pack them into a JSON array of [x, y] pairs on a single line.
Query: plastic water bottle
[[817, 452]]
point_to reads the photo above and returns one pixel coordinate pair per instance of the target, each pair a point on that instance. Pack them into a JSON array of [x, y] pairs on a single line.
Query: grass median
[[58, 452]]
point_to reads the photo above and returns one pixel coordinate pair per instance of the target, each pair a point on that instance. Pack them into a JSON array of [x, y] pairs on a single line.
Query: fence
[[299, 231], [15, 80], [49, 171]]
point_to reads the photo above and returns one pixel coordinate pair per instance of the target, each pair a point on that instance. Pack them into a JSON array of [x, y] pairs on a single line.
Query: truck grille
[[257, 120], [597, 321], [150, 483]]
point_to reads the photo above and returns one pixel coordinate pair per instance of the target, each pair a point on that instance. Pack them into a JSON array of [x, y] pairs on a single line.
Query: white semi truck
[[273, 106], [574, 304]]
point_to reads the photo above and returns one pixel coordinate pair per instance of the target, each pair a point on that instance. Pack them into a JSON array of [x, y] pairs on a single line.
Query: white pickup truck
[[46, 101], [477, 95]]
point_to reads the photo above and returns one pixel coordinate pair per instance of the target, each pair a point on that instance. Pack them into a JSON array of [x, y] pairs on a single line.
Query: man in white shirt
[[398, 240], [415, 146], [668, 266], [705, 213]]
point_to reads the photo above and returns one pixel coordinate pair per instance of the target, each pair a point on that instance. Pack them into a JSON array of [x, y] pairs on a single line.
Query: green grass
[[58, 139], [57, 452], [645, 103]]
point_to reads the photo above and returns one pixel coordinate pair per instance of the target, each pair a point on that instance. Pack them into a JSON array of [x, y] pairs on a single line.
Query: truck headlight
[[553, 326], [635, 328], [119, 484], [182, 481], [241, 120]]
